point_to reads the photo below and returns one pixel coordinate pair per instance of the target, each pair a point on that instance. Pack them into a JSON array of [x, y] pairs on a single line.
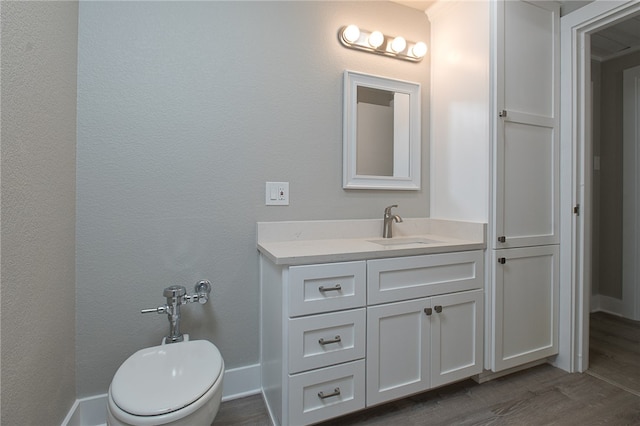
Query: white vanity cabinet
[[337, 337], [313, 333], [424, 342]]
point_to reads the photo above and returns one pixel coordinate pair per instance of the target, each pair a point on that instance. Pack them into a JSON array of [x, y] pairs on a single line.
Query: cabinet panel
[[397, 350], [525, 301], [456, 336], [325, 393], [529, 31], [402, 278], [326, 339], [528, 201], [326, 287]]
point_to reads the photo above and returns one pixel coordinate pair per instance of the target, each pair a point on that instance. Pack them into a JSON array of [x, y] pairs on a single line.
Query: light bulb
[[351, 33], [375, 39], [419, 49], [398, 44]]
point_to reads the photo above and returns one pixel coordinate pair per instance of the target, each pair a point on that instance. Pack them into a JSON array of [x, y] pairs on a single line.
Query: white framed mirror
[[381, 133]]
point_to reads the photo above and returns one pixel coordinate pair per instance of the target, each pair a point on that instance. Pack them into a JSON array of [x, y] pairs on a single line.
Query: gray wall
[[610, 191], [185, 109], [596, 79], [39, 51]]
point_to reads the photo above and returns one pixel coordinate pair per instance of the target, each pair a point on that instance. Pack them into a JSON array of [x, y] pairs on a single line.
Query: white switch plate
[[276, 194]]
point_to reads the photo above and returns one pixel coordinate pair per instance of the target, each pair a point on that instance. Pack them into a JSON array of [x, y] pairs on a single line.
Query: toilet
[[171, 384]]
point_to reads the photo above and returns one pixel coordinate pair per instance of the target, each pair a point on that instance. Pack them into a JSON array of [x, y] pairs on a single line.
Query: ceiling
[[611, 42], [617, 40]]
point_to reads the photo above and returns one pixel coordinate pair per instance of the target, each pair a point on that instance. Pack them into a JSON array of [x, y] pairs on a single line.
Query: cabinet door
[[525, 297], [456, 336], [397, 350], [526, 175]]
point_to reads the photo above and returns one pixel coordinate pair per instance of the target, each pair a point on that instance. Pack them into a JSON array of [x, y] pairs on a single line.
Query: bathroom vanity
[[350, 320]]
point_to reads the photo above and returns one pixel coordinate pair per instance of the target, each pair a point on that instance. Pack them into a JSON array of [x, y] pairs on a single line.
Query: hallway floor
[[614, 350], [542, 395]]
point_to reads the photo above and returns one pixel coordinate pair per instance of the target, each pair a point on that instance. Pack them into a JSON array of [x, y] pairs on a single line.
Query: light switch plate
[[277, 194]]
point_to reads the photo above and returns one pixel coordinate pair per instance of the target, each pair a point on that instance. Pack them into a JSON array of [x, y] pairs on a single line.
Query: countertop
[[309, 242]]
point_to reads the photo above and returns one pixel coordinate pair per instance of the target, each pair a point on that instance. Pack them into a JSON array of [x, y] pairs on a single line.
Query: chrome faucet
[[387, 228], [176, 296]]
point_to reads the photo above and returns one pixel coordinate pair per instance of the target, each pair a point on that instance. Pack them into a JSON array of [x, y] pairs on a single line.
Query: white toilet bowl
[[172, 384]]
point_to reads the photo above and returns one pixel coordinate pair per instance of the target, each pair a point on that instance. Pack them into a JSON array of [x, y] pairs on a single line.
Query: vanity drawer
[[322, 394], [403, 278], [321, 340], [326, 287]]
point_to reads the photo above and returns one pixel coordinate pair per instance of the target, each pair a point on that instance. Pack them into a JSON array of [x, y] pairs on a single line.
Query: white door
[[397, 350], [456, 336], [631, 193], [525, 321], [527, 151]]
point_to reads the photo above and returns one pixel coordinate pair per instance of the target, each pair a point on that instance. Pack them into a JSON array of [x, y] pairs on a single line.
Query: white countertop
[[308, 242]]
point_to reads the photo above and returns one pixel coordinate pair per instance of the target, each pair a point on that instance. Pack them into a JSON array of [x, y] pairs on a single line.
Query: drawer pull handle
[[335, 392], [336, 339], [438, 308], [428, 311], [336, 287]]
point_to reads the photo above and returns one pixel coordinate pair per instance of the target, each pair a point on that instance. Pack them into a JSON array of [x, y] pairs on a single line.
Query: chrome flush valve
[[176, 296]]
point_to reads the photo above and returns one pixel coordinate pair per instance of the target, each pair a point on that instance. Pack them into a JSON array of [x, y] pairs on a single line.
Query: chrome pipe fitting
[[177, 296]]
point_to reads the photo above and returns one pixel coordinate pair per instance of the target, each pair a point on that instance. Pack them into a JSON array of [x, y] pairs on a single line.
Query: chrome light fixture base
[[375, 42]]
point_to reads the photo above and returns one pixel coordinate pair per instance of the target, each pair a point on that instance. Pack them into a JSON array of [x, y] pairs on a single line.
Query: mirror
[[381, 134]]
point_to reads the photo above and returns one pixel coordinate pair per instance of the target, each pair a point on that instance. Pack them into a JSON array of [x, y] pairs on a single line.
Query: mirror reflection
[[382, 142]]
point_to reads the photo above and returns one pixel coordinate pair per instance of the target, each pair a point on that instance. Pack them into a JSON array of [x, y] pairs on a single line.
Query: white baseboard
[[240, 382], [92, 411], [610, 305]]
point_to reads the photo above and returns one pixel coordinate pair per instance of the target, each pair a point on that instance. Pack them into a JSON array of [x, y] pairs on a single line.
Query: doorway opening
[[583, 186]]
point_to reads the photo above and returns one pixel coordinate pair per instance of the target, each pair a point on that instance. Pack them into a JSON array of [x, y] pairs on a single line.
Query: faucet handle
[[160, 309], [387, 209]]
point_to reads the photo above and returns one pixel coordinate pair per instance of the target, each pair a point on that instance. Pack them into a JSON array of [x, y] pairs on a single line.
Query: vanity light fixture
[[375, 42]]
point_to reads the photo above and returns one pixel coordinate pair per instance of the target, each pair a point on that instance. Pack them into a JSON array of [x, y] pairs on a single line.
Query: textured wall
[[610, 223], [185, 109], [39, 51]]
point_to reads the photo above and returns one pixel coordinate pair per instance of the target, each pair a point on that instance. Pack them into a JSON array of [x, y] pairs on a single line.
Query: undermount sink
[[404, 241]]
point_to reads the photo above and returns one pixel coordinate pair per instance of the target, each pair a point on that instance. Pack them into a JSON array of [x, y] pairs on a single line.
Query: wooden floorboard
[[541, 395], [614, 350]]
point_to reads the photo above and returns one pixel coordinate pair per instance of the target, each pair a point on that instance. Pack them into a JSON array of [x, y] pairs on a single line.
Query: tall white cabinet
[[517, 92]]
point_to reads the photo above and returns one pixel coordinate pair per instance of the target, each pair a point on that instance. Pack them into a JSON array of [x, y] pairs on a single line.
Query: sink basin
[[403, 241]]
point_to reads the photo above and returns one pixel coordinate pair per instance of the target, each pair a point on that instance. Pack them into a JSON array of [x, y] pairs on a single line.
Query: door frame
[[631, 193], [576, 174]]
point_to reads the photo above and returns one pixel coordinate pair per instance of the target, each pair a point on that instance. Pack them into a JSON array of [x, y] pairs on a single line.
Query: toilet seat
[[163, 379]]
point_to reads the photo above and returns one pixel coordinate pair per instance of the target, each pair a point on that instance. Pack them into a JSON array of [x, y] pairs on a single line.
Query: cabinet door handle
[[336, 339], [502, 113], [336, 287], [502, 239], [502, 260], [428, 311], [322, 395], [438, 308]]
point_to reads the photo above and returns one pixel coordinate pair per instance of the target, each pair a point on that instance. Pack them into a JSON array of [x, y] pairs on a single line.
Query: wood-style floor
[[542, 395], [614, 350]]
